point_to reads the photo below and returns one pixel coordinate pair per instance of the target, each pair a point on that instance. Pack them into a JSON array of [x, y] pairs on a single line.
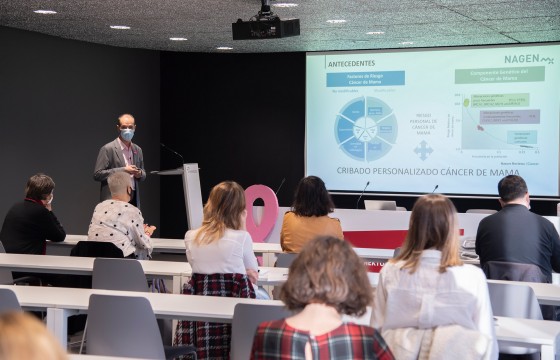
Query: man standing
[[514, 234], [121, 155]]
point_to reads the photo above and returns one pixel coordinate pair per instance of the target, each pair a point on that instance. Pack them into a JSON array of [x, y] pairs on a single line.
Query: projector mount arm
[[265, 13]]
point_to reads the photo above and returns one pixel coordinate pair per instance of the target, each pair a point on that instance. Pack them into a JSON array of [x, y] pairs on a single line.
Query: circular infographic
[[366, 128]]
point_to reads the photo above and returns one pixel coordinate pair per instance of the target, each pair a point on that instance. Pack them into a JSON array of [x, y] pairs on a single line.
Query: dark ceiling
[[207, 23]]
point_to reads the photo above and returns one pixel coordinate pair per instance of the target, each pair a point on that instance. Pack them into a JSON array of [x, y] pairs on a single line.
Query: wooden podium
[[191, 190]]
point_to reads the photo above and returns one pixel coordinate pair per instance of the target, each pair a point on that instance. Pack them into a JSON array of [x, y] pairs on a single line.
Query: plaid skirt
[[212, 340]]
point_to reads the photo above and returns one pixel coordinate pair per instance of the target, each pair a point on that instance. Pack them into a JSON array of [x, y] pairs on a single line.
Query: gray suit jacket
[[109, 160]]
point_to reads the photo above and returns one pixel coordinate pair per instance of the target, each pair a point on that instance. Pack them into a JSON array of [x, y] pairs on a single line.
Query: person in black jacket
[[515, 234], [29, 223]]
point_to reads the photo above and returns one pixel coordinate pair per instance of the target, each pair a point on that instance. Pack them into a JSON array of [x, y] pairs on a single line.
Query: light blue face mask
[[127, 134]]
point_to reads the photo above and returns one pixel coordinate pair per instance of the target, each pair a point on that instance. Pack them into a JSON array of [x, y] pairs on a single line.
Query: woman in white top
[[121, 223], [221, 244], [427, 286]]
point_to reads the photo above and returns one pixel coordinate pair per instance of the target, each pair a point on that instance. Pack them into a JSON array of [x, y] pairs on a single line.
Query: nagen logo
[[527, 58]]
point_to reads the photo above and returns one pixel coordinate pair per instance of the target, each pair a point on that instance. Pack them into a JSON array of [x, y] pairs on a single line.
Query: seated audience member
[[426, 291], [121, 223], [326, 280], [29, 223], [223, 263], [515, 234], [23, 337], [308, 217]]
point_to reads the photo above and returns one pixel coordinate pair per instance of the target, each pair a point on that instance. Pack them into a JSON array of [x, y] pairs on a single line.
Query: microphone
[[435, 188], [280, 187], [173, 151], [362, 194]]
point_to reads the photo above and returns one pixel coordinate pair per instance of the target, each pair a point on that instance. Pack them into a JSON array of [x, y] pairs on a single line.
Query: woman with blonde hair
[[326, 281], [427, 287], [223, 263], [23, 337]]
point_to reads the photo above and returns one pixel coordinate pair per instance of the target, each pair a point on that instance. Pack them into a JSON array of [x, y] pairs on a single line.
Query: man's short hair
[[512, 187], [118, 182], [39, 186]]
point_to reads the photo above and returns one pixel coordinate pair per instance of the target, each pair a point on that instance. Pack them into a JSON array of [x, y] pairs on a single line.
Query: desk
[[165, 249], [538, 334], [63, 302], [178, 272], [73, 265]]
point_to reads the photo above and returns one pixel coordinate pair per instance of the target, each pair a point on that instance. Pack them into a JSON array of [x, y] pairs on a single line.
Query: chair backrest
[[118, 274], [96, 249], [123, 326], [8, 301], [513, 300], [246, 319], [284, 260], [481, 211], [503, 270], [6, 277]]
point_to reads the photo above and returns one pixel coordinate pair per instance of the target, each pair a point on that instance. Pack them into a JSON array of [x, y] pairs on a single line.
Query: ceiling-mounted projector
[[264, 25]]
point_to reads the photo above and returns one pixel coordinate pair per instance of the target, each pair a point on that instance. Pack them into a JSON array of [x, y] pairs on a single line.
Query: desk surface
[[170, 306], [220, 309], [167, 245], [178, 246], [529, 331], [73, 265], [83, 265]]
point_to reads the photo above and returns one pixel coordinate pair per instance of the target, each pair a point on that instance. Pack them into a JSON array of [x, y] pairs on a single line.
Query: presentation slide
[[456, 118]]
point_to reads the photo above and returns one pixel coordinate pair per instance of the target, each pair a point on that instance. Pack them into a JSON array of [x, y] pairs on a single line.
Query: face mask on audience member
[[127, 134]]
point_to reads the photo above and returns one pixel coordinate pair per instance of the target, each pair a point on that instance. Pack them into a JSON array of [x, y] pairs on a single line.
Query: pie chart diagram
[[366, 129]]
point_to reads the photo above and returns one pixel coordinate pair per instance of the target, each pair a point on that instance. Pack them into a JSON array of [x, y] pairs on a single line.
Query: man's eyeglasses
[[124, 127]]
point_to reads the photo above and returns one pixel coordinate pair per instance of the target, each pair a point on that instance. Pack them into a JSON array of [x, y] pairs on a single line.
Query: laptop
[[380, 205]]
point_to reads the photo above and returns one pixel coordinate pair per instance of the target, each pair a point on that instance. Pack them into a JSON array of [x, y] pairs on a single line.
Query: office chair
[[284, 260], [8, 301], [6, 276], [246, 319], [126, 326], [518, 301], [119, 274], [116, 274]]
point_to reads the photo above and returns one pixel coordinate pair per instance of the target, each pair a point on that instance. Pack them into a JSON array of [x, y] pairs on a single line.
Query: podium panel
[[191, 191]]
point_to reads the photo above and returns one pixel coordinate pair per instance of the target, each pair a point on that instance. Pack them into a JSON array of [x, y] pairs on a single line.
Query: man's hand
[[133, 170]]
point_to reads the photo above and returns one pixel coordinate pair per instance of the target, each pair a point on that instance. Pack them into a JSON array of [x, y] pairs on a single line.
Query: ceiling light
[[285, 5], [339, 21], [224, 48], [406, 43], [178, 39], [120, 27], [375, 33], [46, 12]]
